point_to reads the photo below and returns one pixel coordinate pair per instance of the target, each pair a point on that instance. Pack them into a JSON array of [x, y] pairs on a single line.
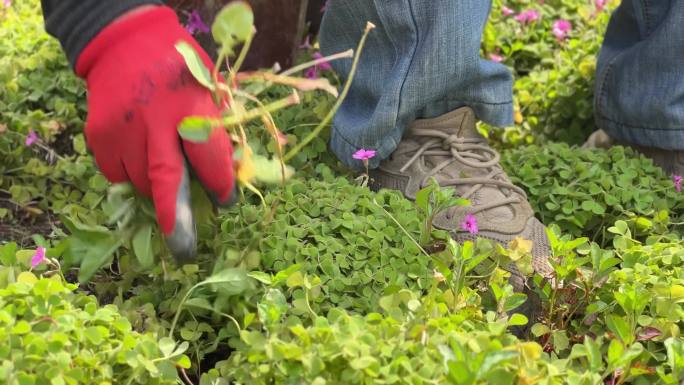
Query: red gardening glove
[[139, 89]]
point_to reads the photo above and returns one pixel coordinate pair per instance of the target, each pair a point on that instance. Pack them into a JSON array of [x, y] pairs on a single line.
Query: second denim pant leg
[[421, 61], [639, 95]]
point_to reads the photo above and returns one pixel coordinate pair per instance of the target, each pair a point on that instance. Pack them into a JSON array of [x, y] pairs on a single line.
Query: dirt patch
[[23, 222]]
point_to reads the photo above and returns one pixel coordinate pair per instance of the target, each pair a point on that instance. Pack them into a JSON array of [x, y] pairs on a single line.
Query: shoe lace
[[473, 152]]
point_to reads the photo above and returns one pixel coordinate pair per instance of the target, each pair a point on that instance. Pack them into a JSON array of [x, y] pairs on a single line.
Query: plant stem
[[402, 229], [242, 56], [180, 308], [252, 114], [313, 134], [341, 55]]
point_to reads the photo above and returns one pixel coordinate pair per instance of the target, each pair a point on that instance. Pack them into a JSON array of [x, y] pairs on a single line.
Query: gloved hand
[[139, 89]]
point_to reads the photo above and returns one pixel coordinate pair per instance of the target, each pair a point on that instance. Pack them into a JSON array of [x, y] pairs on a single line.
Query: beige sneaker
[[671, 161], [451, 149]]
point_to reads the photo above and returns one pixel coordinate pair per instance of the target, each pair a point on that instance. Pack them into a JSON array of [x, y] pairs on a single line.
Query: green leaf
[[423, 198], [21, 327], [233, 25], [92, 248], [560, 340], [184, 362], [270, 171], [94, 335], [229, 281], [166, 345], [296, 279], [620, 328], [195, 64], [539, 330], [8, 254], [514, 301], [517, 320], [260, 276], [142, 245], [196, 129], [362, 362], [494, 360], [199, 302]]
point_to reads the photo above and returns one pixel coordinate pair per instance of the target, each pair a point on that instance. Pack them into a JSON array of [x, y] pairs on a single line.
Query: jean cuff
[[666, 139]]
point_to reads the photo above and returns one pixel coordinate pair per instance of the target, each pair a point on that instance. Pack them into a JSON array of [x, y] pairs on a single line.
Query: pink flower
[[528, 16], [600, 4], [561, 28], [282, 139], [507, 11], [677, 179], [7, 3], [312, 72], [38, 257], [364, 154], [469, 224], [195, 23], [324, 66], [31, 138], [496, 58]]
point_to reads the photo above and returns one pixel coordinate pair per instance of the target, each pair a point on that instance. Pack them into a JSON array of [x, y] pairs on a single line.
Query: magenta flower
[[507, 11], [195, 23], [364, 154], [469, 224], [312, 72], [600, 4], [677, 179], [38, 257], [496, 58], [528, 16], [561, 28], [324, 66], [31, 138]]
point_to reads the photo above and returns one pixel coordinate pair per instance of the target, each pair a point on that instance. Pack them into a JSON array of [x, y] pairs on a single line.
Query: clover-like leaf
[[233, 25]]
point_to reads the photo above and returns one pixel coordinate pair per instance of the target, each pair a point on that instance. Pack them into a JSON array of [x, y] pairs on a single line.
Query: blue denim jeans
[[639, 94], [423, 60]]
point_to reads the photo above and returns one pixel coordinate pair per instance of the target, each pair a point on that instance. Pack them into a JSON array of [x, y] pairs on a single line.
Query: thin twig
[[338, 103]]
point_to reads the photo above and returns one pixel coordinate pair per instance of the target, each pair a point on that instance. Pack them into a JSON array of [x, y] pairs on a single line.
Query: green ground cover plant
[[53, 334], [324, 281]]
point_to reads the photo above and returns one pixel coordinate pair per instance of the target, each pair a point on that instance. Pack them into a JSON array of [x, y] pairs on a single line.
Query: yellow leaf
[[520, 245], [27, 277], [673, 292], [531, 351], [245, 167], [518, 117]]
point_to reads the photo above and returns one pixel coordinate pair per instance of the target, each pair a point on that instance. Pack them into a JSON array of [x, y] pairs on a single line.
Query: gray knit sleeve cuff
[[75, 22]]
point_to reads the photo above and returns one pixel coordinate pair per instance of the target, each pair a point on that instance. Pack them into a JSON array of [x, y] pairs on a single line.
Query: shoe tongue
[[462, 123]]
